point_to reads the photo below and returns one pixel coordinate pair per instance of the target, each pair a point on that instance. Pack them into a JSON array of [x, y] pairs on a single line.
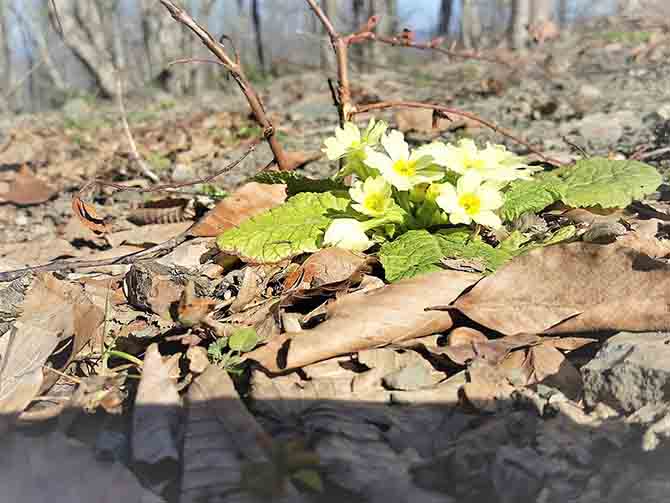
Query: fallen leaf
[[329, 265], [52, 311], [37, 251], [251, 199], [461, 336], [220, 436], [88, 216], [419, 120], [26, 189], [487, 388], [60, 469], [297, 159], [156, 413], [250, 289], [372, 319], [146, 235], [547, 365], [573, 288]]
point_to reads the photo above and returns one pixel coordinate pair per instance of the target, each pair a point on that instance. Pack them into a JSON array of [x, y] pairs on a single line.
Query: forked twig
[[235, 69]]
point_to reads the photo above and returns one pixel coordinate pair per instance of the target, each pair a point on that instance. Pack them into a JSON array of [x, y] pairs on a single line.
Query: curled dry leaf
[[249, 200], [156, 411], [298, 159], [372, 319], [329, 265], [573, 288], [88, 216], [26, 189]]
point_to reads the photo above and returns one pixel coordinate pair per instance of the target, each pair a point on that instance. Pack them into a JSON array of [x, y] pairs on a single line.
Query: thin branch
[[254, 100], [194, 60], [340, 46], [150, 253], [453, 111], [146, 170]]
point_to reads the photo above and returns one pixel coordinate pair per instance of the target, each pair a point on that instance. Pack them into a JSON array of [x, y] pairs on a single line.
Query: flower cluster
[[397, 188]]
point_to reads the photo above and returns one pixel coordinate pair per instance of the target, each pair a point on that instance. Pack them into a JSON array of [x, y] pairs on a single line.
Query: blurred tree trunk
[[86, 33], [5, 57], [201, 74], [540, 11], [258, 32], [471, 28], [518, 29], [165, 40], [375, 52], [563, 13], [445, 17], [392, 13]]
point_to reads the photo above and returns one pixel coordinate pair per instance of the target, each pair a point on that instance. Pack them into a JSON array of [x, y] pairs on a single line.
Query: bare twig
[[340, 46], [150, 253], [235, 69], [194, 60], [135, 155], [453, 111]]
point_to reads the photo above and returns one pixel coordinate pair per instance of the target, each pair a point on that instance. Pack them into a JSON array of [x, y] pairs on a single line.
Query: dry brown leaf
[[460, 336], [250, 289], [88, 216], [146, 235], [299, 159], [329, 265], [26, 189], [573, 288], [249, 200], [52, 311], [487, 387], [372, 319], [156, 411], [419, 120]]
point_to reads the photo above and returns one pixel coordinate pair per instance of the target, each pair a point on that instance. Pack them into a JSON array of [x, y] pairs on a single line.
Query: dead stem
[[235, 69], [382, 105], [340, 46], [135, 155]]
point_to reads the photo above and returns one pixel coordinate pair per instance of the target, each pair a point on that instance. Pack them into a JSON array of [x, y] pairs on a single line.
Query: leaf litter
[[352, 382]]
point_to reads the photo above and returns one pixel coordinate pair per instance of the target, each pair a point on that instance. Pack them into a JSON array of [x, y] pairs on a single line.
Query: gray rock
[[600, 129], [630, 371]]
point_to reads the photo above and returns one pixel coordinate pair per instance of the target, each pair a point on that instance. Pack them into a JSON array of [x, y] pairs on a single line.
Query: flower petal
[[490, 196], [488, 218], [447, 198], [347, 233], [469, 182], [377, 160], [394, 143], [357, 192]]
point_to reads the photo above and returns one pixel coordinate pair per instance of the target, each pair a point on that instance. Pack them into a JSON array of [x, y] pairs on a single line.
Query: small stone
[[664, 111], [630, 371], [600, 129]]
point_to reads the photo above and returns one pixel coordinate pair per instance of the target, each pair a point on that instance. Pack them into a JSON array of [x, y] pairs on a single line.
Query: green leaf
[[525, 196], [243, 340], [608, 184], [460, 244], [295, 227], [412, 254], [310, 478], [216, 348], [297, 183]]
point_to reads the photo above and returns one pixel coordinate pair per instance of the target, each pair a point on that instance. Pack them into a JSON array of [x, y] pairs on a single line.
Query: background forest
[[42, 70]]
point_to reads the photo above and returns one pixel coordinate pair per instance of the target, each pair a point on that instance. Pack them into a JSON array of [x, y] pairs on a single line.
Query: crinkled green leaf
[[295, 227], [243, 340], [462, 245], [310, 478], [525, 196], [609, 184], [412, 254], [297, 183]]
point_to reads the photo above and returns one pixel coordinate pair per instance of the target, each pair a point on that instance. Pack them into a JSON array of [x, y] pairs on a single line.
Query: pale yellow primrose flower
[[398, 166], [471, 200], [494, 162], [348, 139], [373, 197], [347, 233]]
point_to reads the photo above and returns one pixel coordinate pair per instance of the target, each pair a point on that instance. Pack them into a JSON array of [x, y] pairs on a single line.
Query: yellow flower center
[[405, 168], [474, 163], [470, 203], [375, 202]]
